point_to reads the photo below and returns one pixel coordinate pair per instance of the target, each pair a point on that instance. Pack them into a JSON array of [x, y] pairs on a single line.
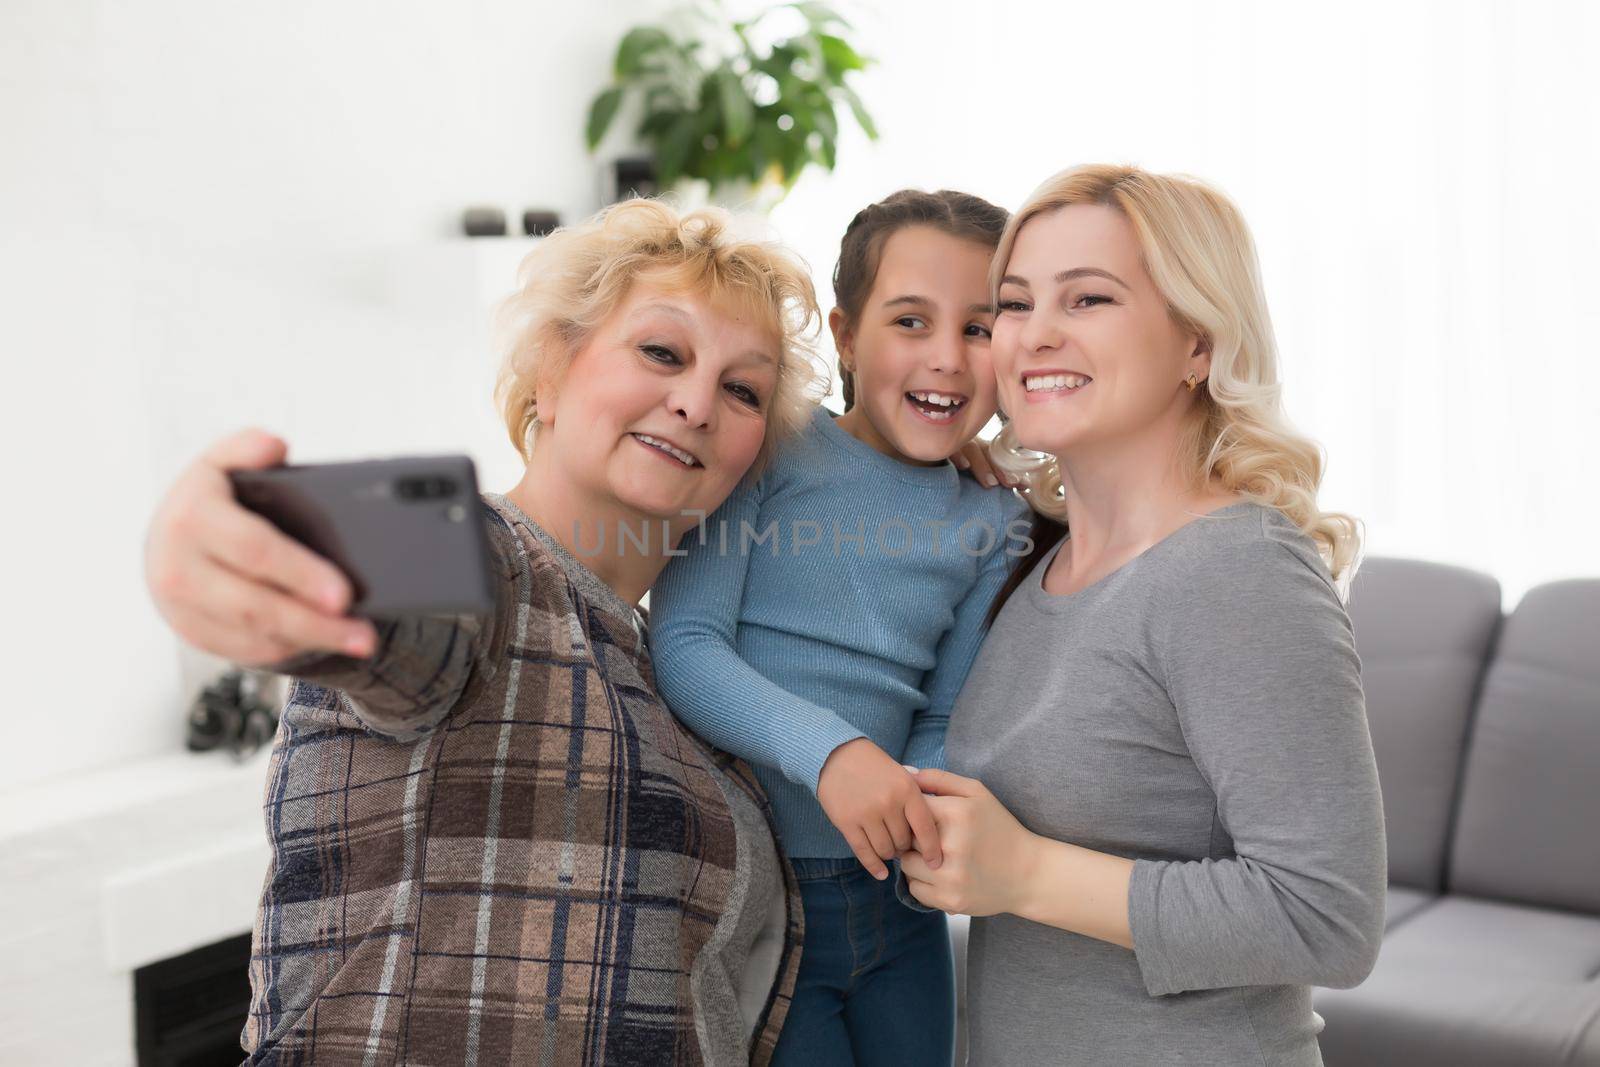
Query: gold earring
[[1190, 382]]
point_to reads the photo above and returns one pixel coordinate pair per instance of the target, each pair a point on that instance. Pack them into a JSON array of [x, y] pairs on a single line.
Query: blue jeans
[[876, 984]]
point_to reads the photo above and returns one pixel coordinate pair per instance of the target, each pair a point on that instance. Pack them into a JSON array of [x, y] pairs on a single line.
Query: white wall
[[1420, 180], [221, 214]]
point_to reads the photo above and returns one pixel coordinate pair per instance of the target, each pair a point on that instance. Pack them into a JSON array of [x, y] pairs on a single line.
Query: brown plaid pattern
[[492, 843]]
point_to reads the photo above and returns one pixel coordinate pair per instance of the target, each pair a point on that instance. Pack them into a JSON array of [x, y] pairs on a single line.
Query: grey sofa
[[1487, 733]]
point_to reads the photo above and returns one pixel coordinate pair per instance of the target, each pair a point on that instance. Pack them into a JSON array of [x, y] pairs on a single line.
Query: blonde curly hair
[[580, 274], [1199, 252]]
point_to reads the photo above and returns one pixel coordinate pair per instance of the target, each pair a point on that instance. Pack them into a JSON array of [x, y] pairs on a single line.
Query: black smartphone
[[409, 533]]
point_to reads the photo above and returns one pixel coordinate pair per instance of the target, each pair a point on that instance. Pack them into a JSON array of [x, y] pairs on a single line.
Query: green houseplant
[[722, 106]]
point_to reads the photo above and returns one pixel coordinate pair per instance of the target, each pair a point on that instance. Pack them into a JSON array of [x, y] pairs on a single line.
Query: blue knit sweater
[[841, 595]]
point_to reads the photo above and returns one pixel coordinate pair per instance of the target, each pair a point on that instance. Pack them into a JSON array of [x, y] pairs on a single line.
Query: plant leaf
[[859, 110], [601, 112], [656, 121], [636, 46], [738, 110], [824, 122], [829, 151], [811, 48], [673, 149], [820, 14], [659, 98], [838, 55], [767, 145], [795, 157], [780, 59]]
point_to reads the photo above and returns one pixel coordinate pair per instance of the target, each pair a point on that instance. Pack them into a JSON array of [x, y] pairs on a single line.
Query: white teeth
[[1042, 382], [944, 400], [676, 453]]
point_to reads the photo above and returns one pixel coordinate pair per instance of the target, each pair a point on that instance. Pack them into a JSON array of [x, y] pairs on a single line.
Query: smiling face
[[663, 410], [920, 348], [1085, 348]]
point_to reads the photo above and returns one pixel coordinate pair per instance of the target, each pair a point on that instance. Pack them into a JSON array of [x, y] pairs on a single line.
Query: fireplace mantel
[[105, 871]]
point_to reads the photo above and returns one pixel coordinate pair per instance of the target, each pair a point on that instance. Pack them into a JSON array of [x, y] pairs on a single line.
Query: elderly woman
[[491, 841], [1164, 805]]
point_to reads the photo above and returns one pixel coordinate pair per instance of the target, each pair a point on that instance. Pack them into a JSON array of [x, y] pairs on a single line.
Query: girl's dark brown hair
[[1045, 534], [957, 214]]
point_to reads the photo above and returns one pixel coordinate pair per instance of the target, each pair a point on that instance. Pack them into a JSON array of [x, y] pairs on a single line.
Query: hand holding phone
[[230, 582], [408, 533]]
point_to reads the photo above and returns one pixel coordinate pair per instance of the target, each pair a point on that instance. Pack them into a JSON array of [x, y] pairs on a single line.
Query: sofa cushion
[[1469, 982], [1402, 903], [1528, 828], [1423, 631]]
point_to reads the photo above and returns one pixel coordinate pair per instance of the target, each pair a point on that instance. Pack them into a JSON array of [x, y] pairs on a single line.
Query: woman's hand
[[992, 863], [989, 857], [876, 805], [974, 457], [231, 583]]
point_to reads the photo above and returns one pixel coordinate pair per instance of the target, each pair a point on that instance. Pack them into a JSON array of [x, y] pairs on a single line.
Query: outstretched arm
[[231, 583]]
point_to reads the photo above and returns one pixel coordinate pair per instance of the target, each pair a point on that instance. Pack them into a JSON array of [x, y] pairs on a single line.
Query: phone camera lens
[[425, 488]]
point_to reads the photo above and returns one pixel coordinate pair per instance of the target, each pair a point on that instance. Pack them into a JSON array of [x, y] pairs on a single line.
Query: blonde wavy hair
[[576, 277], [1199, 252]]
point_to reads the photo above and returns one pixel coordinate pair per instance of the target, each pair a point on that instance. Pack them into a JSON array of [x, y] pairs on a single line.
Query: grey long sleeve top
[[1200, 712]]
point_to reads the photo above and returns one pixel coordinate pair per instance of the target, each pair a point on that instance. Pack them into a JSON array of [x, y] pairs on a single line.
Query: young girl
[[823, 621]]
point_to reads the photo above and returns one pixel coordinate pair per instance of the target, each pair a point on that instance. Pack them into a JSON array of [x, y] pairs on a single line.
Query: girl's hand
[[231, 583], [988, 856], [974, 457], [877, 806]]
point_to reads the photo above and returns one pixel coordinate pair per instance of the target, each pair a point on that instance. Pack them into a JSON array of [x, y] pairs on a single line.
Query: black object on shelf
[[483, 222], [230, 713], [189, 1010], [536, 223], [634, 176]]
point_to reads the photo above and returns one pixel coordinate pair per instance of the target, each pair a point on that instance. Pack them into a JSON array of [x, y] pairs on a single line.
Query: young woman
[[1164, 804], [491, 841], [823, 623]]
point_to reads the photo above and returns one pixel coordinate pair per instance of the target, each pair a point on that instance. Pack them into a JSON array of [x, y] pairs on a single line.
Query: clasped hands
[[961, 850]]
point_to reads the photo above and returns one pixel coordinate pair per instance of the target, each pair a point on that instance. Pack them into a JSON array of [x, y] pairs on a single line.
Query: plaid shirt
[[493, 843]]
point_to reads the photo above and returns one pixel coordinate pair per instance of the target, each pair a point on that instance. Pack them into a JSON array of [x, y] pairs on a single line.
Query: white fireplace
[[104, 872]]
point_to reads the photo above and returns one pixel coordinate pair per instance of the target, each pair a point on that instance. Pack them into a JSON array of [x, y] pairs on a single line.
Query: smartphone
[[409, 533]]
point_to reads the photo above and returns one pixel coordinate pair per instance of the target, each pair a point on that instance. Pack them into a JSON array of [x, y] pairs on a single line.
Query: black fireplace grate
[[188, 1010]]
